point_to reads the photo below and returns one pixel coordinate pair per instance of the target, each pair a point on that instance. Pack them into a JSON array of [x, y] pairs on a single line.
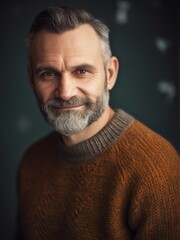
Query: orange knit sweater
[[123, 183]]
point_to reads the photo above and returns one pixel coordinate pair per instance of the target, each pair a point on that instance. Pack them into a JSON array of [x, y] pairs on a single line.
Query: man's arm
[[155, 211]]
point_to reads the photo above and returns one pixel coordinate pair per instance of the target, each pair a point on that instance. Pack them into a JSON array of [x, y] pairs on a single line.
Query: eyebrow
[[44, 67], [84, 65]]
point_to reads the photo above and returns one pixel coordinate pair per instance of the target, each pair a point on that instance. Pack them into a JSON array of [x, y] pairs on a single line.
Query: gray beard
[[73, 121]]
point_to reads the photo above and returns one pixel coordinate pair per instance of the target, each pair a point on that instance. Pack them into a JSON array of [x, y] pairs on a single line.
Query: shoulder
[[152, 175], [142, 140], [40, 146], [39, 151], [149, 163], [146, 155]]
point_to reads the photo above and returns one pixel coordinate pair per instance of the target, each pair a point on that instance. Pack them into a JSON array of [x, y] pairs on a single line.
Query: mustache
[[74, 101]]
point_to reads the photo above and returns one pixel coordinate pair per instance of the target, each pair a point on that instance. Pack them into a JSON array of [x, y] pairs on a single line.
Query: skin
[[71, 64]]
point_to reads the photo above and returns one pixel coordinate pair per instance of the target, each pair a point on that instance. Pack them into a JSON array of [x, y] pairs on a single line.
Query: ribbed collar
[[97, 144]]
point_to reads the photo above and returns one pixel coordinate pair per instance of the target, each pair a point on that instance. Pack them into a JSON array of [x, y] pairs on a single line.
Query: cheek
[[44, 93], [95, 90], [98, 85]]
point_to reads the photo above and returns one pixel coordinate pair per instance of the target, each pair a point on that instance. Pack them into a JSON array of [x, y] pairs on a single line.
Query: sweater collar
[[97, 144]]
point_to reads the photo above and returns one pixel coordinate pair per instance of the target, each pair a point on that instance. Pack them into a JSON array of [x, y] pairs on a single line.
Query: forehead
[[81, 40]]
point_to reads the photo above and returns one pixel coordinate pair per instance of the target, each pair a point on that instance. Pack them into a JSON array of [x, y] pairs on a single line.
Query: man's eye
[[81, 71], [48, 74]]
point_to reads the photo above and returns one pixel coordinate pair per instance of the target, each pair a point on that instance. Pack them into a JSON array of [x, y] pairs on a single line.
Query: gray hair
[[62, 19]]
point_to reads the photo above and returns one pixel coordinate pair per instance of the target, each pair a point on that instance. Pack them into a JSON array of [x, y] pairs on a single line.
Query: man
[[101, 174]]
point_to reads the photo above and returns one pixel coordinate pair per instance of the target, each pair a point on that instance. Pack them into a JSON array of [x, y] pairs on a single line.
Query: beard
[[70, 122]]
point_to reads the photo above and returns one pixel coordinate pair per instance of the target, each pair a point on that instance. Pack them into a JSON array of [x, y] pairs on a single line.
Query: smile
[[69, 107]]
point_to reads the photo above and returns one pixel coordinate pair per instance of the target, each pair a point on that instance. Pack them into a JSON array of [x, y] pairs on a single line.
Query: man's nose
[[65, 87]]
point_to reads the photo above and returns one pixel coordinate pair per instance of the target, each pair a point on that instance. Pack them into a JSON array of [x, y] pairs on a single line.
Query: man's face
[[68, 78]]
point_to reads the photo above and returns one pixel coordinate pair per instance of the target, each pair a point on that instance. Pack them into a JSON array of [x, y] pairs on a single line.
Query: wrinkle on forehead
[[77, 40], [73, 47]]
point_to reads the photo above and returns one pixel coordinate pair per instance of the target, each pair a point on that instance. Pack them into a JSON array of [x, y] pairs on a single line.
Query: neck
[[91, 130]]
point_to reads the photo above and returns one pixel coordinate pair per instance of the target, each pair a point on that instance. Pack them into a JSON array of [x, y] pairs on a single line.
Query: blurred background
[[144, 37]]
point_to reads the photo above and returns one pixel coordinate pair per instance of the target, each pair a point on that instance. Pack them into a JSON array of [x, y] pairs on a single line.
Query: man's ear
[[112, 72], [30, 77]]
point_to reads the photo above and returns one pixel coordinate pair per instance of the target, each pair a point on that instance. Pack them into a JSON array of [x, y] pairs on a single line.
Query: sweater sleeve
[[155, 205]]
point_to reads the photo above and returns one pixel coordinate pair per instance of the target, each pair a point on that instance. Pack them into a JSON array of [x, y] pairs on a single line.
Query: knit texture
[[123, 183]]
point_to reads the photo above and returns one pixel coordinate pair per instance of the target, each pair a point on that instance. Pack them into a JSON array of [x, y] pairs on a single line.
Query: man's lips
[[68, 107]]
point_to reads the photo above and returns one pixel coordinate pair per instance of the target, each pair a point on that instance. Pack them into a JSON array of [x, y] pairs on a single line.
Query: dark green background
[[142, 69]]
